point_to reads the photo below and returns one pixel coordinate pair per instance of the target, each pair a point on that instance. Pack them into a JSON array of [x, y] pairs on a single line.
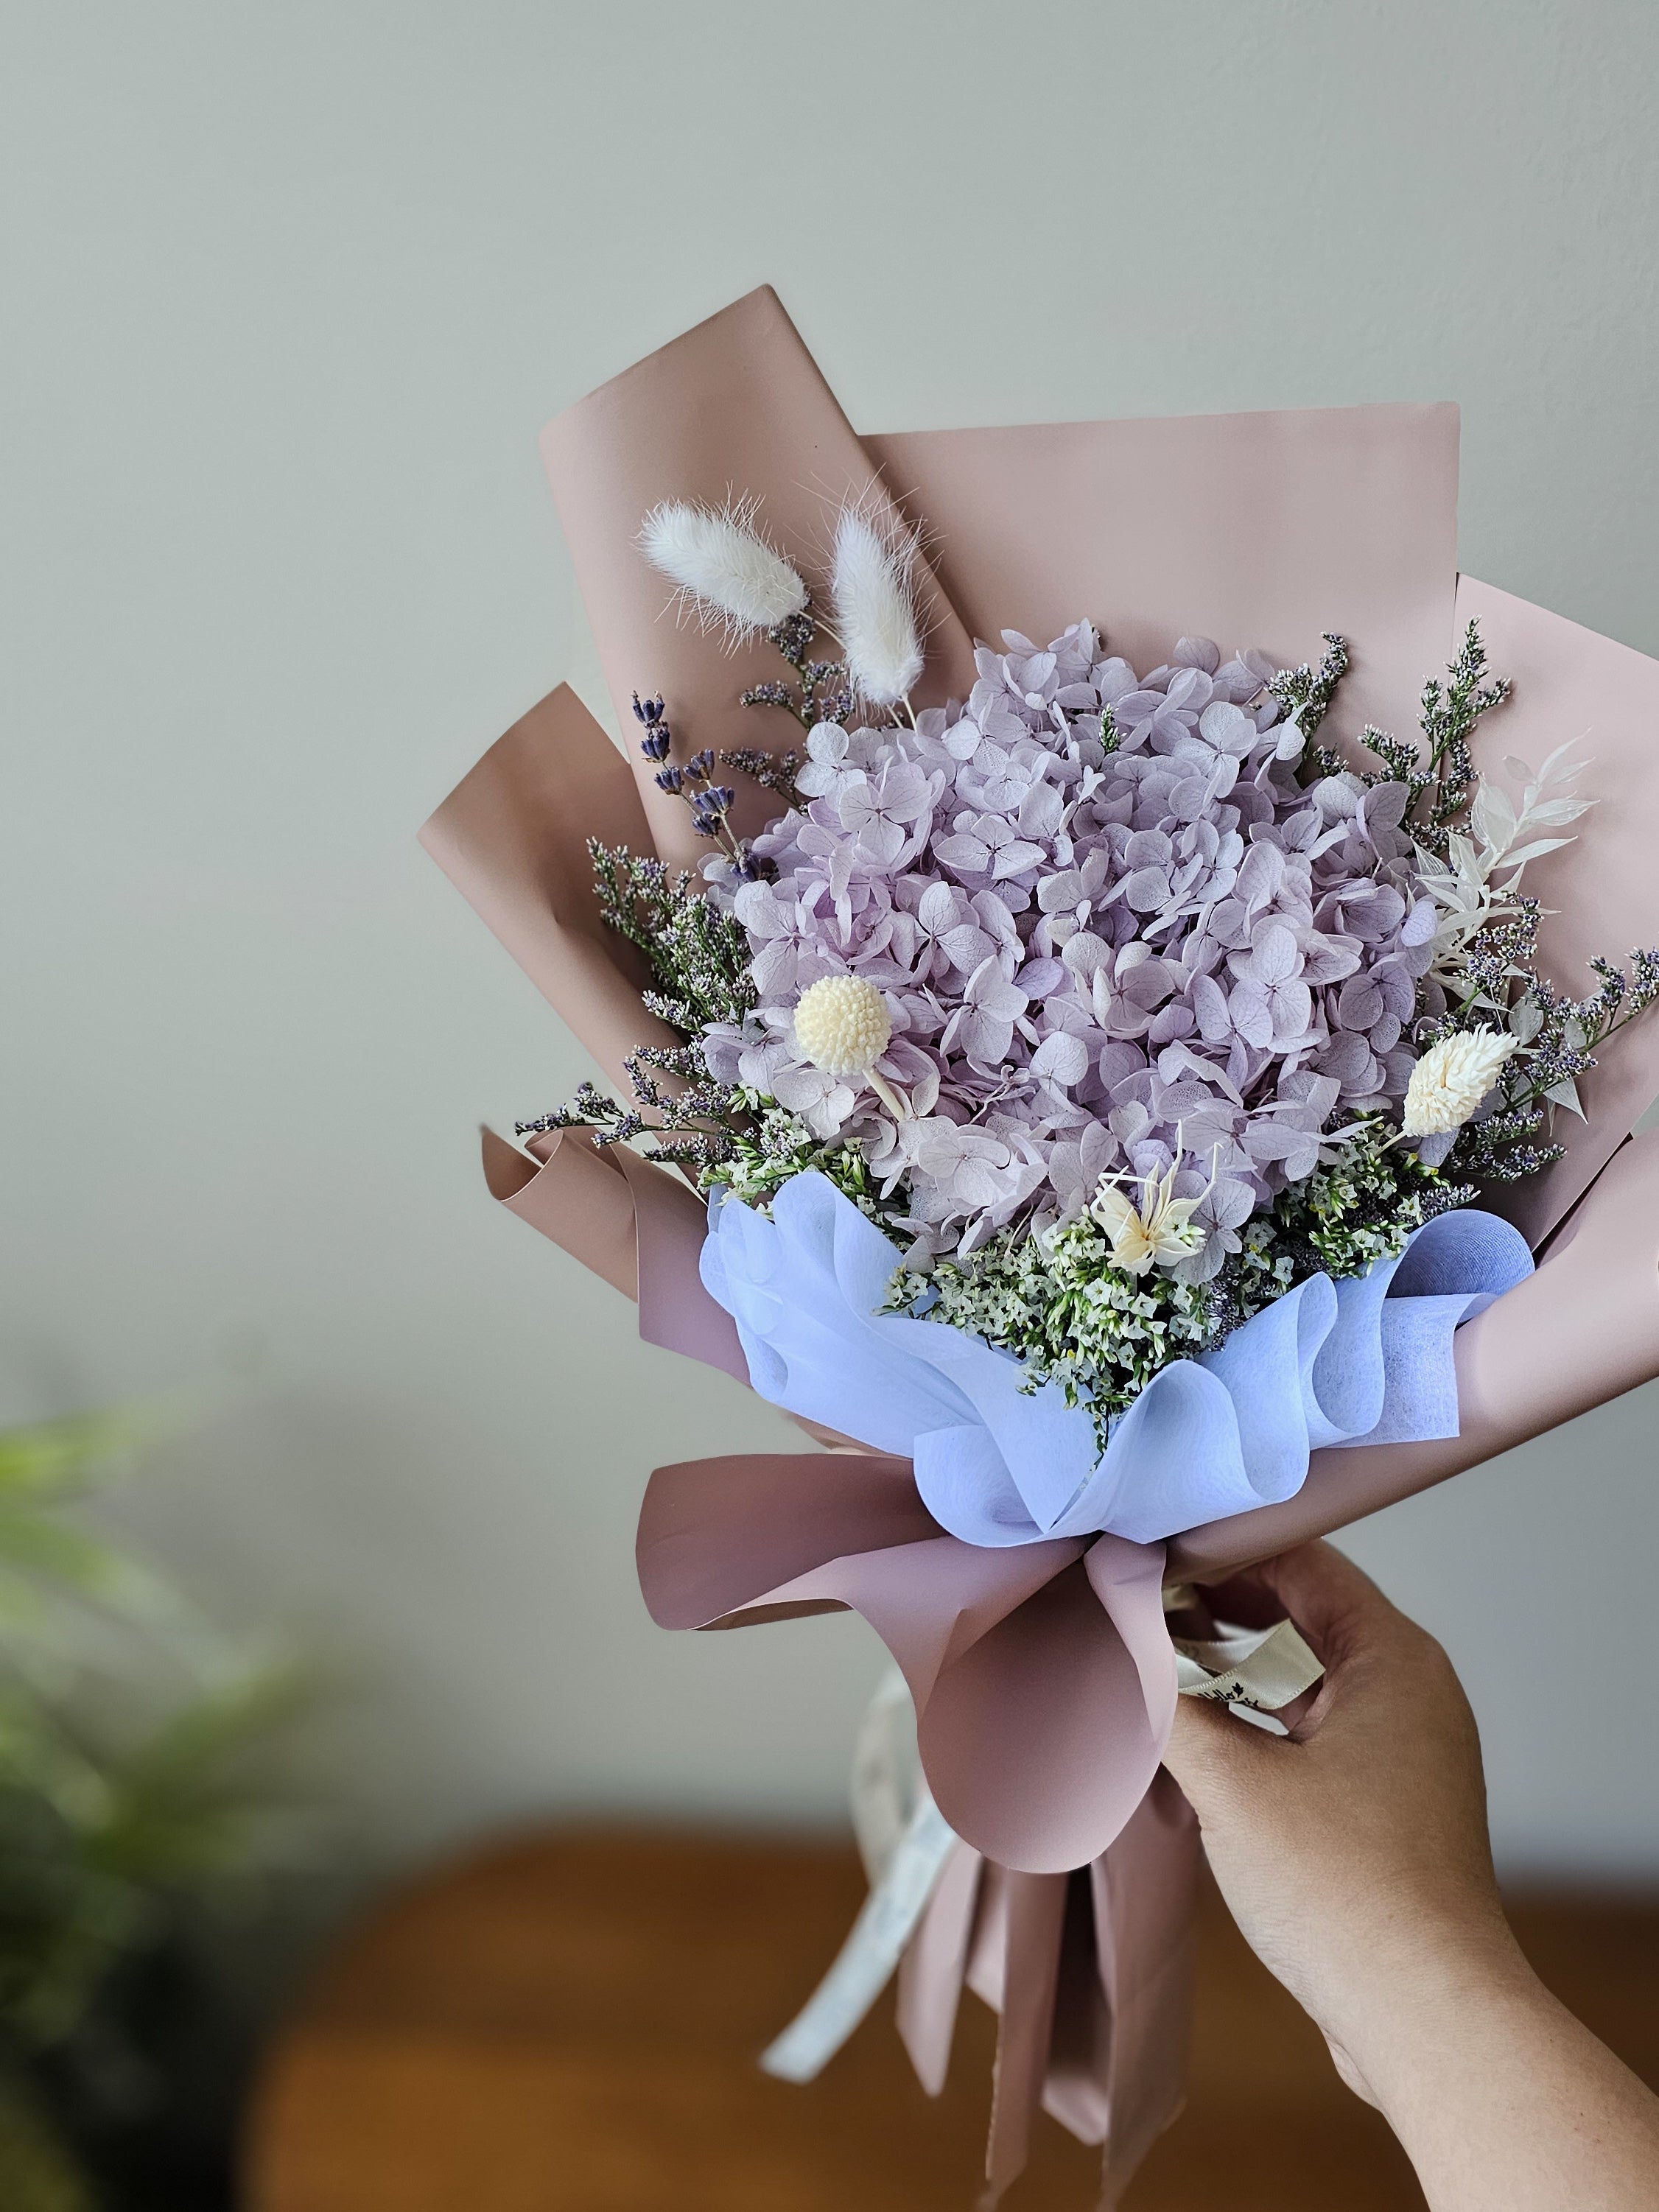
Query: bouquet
[[1109, 1089]]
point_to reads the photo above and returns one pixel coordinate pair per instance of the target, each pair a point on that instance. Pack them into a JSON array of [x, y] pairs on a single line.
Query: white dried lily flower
[[720, 560], [843, 1026], [875, 610], [1452, 1079], [1159, 1232]]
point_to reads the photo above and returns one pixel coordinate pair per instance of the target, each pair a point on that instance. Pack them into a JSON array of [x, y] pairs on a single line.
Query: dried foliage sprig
[[1559, 1037], [1438, 771], [1474, 843], [699, 954], [1306, 694], [1449, 711], [822, 691], [1476, 885], [773, 772], [686, 1122]]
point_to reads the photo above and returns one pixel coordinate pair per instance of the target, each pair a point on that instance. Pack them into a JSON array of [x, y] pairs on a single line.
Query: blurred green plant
[[137, 1775]]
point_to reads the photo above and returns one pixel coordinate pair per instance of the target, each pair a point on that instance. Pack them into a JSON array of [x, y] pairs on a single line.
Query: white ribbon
[[1264, 1669], [905, 1840]]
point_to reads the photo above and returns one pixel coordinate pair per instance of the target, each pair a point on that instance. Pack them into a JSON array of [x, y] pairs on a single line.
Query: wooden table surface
[[569, 2023]]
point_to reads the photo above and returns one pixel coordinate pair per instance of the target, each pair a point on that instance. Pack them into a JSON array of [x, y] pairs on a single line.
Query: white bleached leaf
[[1549, 813], [1492, 816], [1539, 846], [1526, 1019]]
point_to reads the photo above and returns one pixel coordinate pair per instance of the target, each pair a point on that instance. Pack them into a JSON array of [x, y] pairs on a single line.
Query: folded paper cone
[[512, 839], [735, 406]]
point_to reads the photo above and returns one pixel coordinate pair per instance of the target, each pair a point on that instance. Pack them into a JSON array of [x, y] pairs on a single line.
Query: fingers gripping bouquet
[[1108, 1088]]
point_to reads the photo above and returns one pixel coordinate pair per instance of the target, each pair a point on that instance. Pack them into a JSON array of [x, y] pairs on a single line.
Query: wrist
[[1428, 1999]]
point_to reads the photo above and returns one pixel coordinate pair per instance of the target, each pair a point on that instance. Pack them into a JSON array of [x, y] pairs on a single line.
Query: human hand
[[1353, 1854], [1356, 1848]]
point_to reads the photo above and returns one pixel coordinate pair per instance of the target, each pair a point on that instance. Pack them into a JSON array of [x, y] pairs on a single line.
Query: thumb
[[1209, 1752]]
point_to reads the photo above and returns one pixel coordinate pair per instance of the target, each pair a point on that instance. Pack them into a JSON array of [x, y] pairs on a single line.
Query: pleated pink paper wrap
[[1042, 1677]]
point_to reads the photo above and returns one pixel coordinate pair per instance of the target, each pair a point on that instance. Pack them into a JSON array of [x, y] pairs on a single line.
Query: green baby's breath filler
[[1057, 1301]]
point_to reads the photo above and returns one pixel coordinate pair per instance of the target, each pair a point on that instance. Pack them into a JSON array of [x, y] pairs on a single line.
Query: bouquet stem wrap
[[1086, 1953]]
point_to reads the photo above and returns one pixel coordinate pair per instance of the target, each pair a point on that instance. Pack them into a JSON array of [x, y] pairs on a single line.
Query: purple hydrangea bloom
[[1105, 949]]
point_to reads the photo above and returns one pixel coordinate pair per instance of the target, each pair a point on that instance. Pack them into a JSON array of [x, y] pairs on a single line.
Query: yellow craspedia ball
[[842, 1025]]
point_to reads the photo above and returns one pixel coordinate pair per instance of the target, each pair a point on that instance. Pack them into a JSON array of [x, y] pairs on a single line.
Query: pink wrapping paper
[[1236, 527], [1601, 893], [1042, 1677], [735, 405], [513, 838]]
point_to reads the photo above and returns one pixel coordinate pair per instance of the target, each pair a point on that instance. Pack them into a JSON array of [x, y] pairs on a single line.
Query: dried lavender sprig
[[693, 781]]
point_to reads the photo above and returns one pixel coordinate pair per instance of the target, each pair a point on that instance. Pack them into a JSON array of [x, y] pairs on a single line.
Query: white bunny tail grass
[[875, 609], [721, 563]]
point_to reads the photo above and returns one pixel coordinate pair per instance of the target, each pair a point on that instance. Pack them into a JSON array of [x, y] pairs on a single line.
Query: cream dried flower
[[843, 1026], [1451, 1078], [1158, 1231], [720, 560], [871, 586]]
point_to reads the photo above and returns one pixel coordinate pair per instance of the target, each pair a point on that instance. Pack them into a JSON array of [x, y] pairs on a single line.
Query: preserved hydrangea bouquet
[[1120, 1007], [1069, 1077]]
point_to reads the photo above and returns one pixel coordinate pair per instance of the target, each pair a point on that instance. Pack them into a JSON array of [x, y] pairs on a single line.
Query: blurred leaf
[[37, 2174], [134, 1740], [183, 1804], [41, 1545], [49, 1456]]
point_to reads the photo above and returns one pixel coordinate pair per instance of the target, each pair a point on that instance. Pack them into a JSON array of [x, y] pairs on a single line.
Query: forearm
[[1502, 2099], [1354, 1854]]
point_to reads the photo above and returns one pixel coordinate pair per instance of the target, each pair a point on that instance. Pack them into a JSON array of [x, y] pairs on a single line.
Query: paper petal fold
[[1367, 1360], [1043, 1679], [1584, 1328], [735, 407], [513, 838]]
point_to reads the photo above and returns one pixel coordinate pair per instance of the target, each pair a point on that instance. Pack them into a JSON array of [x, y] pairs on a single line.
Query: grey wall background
[[288, 293]]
